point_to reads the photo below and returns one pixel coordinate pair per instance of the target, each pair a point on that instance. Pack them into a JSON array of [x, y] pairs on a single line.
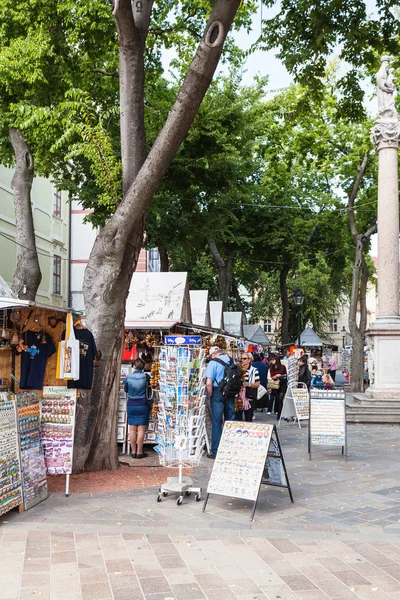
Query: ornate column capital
[[386, 133]]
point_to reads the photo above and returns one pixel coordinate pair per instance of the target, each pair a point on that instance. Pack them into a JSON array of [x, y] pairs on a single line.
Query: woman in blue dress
[[136, 386]]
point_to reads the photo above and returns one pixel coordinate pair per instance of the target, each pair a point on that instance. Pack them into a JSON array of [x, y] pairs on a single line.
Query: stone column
[[386, 135], [384, 334]]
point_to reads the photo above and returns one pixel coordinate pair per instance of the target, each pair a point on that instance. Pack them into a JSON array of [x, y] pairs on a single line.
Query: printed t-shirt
[[87, 354], [33, 360], [215, 371]]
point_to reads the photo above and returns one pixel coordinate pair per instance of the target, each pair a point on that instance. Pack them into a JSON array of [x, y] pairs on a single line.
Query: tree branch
[[105, 73], [353, 195]]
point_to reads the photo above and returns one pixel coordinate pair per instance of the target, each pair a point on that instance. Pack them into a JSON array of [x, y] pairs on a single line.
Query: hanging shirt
[[87, 354], [34, 359]]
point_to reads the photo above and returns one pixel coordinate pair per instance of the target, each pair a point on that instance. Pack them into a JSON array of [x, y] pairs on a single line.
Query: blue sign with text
[[183, 340]]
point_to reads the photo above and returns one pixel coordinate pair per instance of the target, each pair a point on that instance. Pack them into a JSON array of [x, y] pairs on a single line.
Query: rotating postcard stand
[[181, 431]]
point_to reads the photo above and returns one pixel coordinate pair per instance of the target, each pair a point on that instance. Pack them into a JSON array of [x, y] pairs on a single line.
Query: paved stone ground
[[339, 540]]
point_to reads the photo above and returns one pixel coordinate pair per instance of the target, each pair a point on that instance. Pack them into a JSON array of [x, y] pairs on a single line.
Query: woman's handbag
[[261, 391], [251, 393], [273, 384]]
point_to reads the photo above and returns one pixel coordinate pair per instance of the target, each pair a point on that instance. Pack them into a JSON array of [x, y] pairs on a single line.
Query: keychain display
[[10, 466], [34, 481]]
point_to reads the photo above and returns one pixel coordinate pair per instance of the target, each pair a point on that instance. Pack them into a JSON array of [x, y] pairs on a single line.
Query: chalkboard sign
[[328, 419], [296, 404], [249, 455]]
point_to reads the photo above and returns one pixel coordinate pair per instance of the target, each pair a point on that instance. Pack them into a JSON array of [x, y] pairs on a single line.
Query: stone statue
[[386, 89]]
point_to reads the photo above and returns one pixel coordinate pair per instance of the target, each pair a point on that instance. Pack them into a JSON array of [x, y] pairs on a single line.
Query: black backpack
[[231, 383]]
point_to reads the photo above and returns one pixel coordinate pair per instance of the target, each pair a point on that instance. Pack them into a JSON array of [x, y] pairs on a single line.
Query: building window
[[333, 327], [268, 326], [56, 274], [57, 204]]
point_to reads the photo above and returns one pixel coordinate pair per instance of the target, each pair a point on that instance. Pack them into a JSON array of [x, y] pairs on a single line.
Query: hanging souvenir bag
[[68, 354]]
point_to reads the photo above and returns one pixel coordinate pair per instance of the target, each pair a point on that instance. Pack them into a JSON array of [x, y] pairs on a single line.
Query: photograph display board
[[34, 480], [328, 419], [249, 454], [10, 466], [57, 429]]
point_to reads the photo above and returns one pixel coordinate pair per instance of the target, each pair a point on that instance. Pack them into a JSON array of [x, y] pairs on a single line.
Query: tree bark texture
[[27, 275], [132, 22], [224, 273], [283, 275], [358, 297], [239, 302], [116, 248], [164, 260]]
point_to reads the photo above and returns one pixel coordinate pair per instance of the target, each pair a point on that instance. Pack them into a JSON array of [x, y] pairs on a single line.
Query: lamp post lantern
[[298, 300], [344, 335]]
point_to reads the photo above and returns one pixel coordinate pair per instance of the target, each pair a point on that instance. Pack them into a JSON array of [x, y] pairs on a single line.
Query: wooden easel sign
[[249, 455], [327, 426]]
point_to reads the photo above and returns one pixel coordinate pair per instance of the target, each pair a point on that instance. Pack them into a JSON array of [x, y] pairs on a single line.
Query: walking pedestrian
[[304, 375], [332, 368], [251, 384], [277, 383], [221, 408], [262, 368], [137, 385]]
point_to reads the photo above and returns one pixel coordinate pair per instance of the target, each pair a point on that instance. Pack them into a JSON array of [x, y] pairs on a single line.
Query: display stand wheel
[[198, 497], [159, 497], [179, 500]]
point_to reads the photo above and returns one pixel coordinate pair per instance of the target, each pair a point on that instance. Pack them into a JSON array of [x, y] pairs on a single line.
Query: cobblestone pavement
[[339, 540]]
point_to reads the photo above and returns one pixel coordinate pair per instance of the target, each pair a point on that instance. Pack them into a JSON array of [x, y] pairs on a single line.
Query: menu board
[[57, 430], [34, 480], [301, 400], [328, 418], [240, 461], [10, 466]]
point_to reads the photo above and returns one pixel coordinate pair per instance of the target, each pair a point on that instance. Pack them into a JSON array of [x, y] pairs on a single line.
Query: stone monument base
[[361, 409], [384, 336]]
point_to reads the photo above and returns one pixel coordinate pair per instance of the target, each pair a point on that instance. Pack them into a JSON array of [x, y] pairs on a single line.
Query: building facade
[[51, 221]]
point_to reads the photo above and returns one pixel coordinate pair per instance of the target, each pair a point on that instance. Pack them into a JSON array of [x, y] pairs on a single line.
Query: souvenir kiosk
[[37, 404]]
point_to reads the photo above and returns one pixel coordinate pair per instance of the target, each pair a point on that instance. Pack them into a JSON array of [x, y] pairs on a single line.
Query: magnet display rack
[[180, 431], [34, 480], [10, 463]]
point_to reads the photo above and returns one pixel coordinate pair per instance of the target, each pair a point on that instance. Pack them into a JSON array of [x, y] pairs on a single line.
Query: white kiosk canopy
[[200, 308]]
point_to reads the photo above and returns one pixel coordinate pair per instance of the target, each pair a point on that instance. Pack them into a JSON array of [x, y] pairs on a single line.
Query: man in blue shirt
[[220, 407]]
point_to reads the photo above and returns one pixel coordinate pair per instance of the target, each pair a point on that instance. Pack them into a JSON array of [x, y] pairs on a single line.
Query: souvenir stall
[[255, 339], [44, 357]]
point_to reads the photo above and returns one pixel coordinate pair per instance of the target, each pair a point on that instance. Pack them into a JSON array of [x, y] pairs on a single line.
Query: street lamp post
[[298, 299], [344, 335]]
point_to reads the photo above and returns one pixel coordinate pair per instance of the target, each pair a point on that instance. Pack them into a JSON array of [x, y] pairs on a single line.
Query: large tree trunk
[[224, 271], [116, 248], [239, 302], [164, 260], [283, 275], [358, 297], [27, 275]]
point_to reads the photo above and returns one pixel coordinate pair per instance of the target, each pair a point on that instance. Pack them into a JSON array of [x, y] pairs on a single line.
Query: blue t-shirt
[[215, 371]]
